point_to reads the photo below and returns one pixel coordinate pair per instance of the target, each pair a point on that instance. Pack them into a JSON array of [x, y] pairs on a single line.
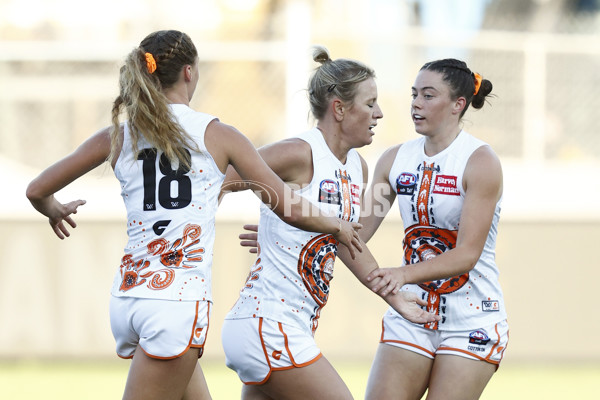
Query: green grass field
[[24, 380]]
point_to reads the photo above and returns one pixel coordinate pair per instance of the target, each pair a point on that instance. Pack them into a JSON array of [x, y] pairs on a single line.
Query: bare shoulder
[[384, 164], [484, 157], [365, 169], [483, 170], [290, 159], [219, 131], [97, 147], [389, 154], [225, 143], [293, 149], [290, 144], [103, 135]]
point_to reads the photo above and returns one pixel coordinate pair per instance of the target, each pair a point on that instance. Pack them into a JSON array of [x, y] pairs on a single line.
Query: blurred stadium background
[[59, 62]]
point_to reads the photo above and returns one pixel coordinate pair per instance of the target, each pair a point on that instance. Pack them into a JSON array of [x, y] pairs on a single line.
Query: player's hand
[[348, 236], [62, 213], [250, 239], [408, 304], [384, 281]]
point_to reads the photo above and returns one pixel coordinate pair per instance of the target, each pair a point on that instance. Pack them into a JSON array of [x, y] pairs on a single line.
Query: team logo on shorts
[[406, 183], [329, 192], [479, 337]]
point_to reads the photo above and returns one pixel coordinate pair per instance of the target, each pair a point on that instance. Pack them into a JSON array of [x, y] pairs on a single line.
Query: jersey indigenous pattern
[[290, 280], [170, 217], [430, 196]]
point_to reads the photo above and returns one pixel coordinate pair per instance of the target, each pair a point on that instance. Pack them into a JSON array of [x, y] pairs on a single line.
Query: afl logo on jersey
[[406, 183], [329, 192]]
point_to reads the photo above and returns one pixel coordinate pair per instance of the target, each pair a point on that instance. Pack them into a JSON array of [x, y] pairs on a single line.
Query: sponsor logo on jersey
[[329, 192], [406, 183], [446, 184], [490, 305], [355, 193], [478, 337]]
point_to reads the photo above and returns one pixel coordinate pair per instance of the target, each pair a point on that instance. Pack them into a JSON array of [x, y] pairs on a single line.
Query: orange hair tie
[[477, 82], [150, 63]]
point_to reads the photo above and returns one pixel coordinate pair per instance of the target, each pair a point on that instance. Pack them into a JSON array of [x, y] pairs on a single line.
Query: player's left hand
[[250, 239], [384, 281], [408, 304], [62, 213]]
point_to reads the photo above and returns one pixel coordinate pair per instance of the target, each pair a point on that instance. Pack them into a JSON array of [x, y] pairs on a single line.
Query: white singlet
[[170, 218], [430, 196], [289, 282]]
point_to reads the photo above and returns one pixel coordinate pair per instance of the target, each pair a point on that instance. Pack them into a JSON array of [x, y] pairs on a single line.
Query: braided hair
[[141, 94]]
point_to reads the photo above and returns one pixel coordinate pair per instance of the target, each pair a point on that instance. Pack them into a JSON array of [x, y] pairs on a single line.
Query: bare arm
[[40, 192], [290, 159], [483, 186], [380, 196], [229, 147], [406, 303]]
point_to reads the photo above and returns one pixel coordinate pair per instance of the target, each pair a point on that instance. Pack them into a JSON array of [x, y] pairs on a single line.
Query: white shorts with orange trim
[[164, 329], [256, 346], [486, 343]]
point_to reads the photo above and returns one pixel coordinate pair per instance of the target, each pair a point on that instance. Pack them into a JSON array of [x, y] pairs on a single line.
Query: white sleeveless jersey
[[430, 196], [170, 218], [290, 280]]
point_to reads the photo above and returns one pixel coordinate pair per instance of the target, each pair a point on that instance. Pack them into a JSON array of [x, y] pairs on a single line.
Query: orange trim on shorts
[[507, 339], [299, 365], [294, 364], [491, 353], [488, 358], [470, 354], [411, 345], [262, 342], [189, 343], [382, 340], [201, 346], [271, 369]]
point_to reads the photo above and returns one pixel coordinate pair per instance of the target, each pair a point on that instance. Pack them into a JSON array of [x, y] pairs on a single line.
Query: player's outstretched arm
[[40, 192]]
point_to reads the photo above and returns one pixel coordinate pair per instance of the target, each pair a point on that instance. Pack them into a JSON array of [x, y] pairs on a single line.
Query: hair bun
[[321, 54]]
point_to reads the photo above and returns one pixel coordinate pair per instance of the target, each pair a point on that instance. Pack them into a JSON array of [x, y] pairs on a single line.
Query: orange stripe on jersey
[[433, 306], [346, 197], [423, 198]]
